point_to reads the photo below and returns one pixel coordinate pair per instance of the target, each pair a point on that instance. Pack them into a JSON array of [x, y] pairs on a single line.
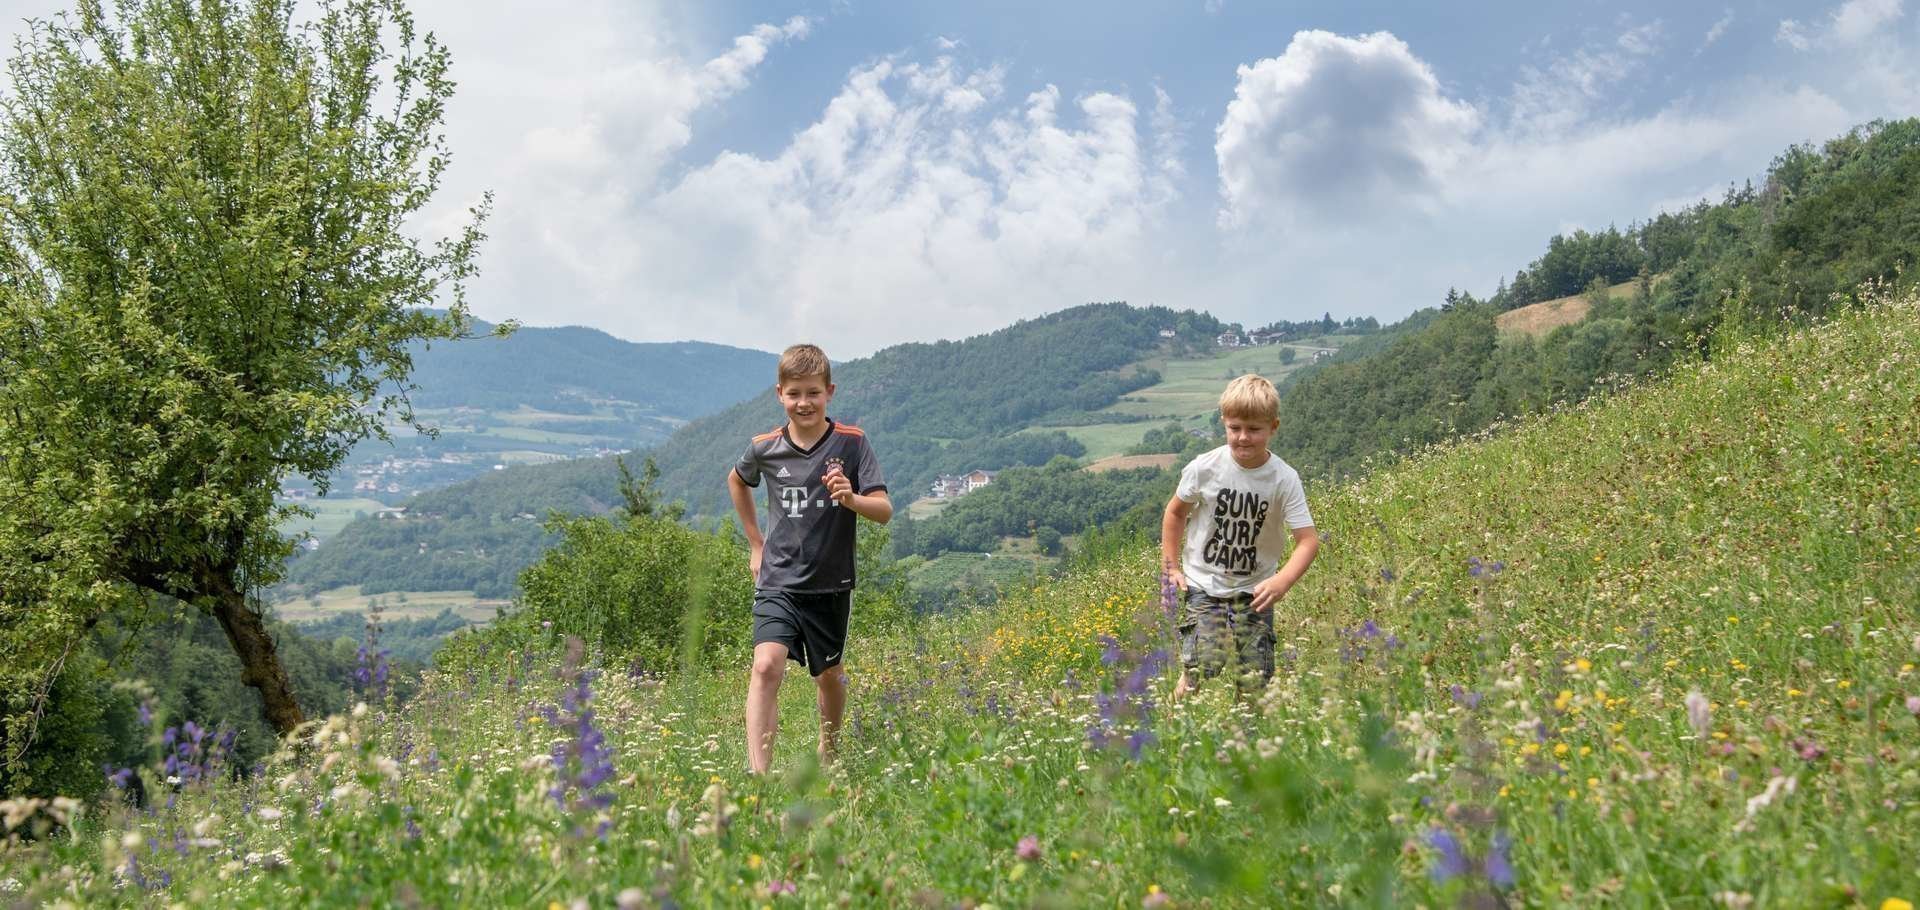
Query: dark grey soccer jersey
[[809, 537]]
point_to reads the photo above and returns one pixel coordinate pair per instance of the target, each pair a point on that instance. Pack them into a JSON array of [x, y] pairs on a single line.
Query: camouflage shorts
[[1218, 633]]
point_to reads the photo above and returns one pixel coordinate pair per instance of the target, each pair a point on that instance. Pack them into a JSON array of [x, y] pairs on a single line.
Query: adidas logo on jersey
[[783, 472]]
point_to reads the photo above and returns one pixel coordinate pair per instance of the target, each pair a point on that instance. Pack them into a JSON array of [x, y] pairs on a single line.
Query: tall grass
[[1658, 650]]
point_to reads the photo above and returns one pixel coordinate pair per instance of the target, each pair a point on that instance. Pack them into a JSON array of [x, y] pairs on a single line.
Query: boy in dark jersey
[[823, 474]]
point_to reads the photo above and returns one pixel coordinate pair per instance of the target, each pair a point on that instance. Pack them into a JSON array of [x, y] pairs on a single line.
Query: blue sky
[[860, 173]]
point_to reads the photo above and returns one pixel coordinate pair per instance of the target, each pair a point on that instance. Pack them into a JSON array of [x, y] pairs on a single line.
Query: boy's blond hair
[[1250, 397], [803, 360]]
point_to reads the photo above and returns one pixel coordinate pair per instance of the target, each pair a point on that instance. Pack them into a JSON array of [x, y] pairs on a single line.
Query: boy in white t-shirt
[[1228, 512]]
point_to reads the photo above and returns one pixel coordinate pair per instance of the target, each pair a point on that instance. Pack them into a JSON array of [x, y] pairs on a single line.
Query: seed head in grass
[[1699, 713]]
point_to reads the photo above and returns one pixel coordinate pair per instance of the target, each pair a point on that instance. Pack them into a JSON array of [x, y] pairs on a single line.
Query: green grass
[[1103, 439], [418, 604], [927, 507], [536, 435], [329, 516], [1691, 683], [1189, 391], [1190, 387], [976, 571]]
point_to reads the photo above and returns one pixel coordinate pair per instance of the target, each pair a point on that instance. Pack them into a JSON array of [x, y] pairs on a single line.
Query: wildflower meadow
[[1655, 650]]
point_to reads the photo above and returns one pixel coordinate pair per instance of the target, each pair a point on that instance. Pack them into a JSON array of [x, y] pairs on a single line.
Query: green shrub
[[639, 589], [70, 742]]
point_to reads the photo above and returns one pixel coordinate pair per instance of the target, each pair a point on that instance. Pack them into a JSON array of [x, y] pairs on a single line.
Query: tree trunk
[[259, 662]]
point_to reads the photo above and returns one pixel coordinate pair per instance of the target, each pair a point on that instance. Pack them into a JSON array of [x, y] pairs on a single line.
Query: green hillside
[[1061, 368], [1824, 221], [476, 535], [1657, 650], [953, 405], [535, 396]]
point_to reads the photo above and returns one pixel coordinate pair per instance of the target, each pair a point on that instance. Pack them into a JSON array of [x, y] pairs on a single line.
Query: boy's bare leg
[[833, 704], [763, 703], [1185, 686]]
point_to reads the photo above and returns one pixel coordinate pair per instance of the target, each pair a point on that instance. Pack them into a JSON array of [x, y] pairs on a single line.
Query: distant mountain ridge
[[538, 395], [560, 369], [951, 406], [941, 407]]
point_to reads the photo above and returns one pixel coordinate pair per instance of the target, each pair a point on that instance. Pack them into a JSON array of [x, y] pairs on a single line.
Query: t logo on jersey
[[795, 499]]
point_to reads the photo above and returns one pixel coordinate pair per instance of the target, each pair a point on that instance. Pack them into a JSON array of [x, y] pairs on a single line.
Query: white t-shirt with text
[[1234, 541]]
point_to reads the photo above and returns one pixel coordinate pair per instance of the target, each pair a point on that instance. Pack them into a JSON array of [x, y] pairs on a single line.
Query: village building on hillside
[[1228, 340], [1168, 333], [952, 486]]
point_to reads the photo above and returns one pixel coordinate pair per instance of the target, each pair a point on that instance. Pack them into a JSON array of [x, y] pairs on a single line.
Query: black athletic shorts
[[812, 626]]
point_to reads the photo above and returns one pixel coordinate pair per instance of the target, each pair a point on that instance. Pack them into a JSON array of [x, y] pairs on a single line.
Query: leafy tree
[[204, 287]]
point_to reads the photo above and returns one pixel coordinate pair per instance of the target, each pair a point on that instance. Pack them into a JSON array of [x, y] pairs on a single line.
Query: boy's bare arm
[[1173, 530], [1306, 545], [749, 521]]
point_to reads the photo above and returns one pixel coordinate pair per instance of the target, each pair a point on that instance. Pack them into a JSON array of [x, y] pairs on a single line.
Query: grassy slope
[[1746, 531], [1188, 392]]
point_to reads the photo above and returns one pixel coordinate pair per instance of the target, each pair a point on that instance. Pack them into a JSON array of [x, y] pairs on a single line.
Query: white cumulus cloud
[[922, 203], [1337, 124]]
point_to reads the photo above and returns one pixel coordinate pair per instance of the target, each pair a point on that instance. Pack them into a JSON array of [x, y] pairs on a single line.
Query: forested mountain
[[539, 395], [569, 369], [954, 405], [1820, 223], [473, 536], [934, 408], [1047, 503]]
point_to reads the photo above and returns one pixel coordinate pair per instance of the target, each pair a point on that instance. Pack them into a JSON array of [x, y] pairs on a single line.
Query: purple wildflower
[[1028, 849], [145, 712], [1498, 866], [1464, 698], [1450, 861], [583, 761]]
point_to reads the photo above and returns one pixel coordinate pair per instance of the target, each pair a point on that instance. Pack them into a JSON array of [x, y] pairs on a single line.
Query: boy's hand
[[1178, 578], [1267, 593], [754, 552], [838, 486]]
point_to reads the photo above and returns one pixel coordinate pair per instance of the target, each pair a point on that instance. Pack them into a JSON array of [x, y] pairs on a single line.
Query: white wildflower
[[1699, 713], [1777, 788]]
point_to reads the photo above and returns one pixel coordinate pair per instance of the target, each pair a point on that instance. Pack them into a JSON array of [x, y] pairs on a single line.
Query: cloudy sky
[[861, 173]]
